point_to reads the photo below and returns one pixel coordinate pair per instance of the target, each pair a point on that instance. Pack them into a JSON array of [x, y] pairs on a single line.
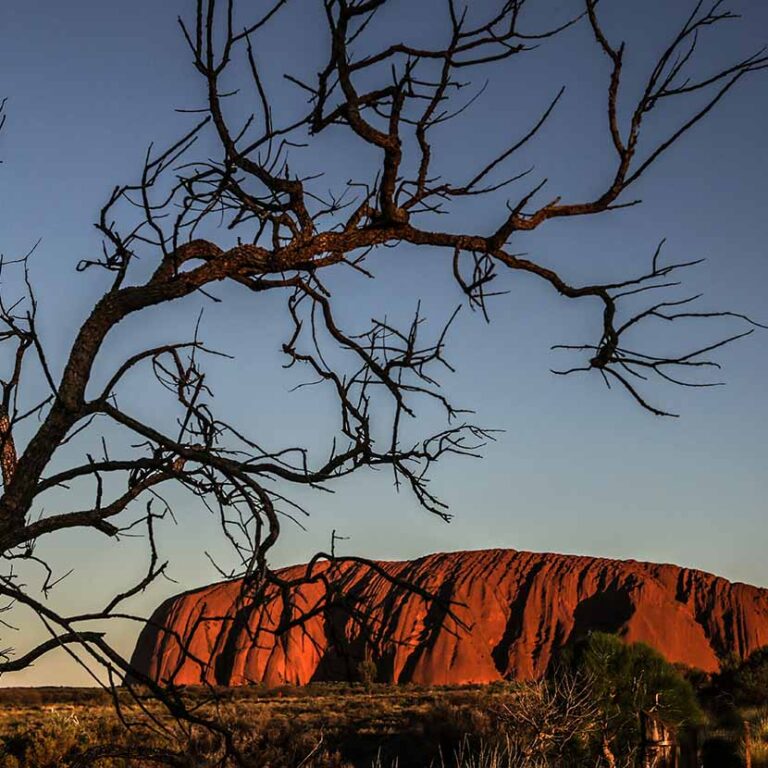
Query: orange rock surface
[[510, 613]]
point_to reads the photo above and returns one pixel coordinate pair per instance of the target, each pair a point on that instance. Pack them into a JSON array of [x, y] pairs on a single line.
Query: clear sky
[[577, 469]]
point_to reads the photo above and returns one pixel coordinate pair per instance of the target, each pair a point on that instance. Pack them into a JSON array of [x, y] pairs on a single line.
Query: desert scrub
[[367, 672], [345, 727], [335, 725], [47, 745], [758, 728]]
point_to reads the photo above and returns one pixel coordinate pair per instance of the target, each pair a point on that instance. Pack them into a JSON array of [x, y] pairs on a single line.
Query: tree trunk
[[659, 743], [747, 746]]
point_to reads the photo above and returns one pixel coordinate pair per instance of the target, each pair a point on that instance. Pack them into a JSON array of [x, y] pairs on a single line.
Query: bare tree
[[278, 231], [542, 720]]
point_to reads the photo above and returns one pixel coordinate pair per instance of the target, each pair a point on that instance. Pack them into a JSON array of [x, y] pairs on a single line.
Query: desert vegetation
[[587, 712]]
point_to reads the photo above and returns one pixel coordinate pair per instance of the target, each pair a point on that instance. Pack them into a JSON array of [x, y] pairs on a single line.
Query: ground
[[319, 726]]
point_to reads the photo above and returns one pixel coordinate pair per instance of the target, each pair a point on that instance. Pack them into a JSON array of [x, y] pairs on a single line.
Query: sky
[[574, 468]]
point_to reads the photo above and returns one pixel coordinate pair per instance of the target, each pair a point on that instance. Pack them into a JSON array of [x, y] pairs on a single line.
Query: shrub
[[628, 679], [633, 677], [367, 671]]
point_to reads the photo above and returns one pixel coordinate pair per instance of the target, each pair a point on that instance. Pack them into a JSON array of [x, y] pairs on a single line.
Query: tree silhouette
[[281, 232]]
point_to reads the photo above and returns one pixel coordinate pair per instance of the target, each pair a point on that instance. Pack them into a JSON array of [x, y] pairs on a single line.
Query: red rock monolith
[[500, 614]]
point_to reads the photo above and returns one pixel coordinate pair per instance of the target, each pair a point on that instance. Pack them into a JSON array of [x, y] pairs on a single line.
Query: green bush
[[628, 679], [633, 677]]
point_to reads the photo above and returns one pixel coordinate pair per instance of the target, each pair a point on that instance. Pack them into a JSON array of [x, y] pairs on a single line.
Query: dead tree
[[282, 233], [541, 720]]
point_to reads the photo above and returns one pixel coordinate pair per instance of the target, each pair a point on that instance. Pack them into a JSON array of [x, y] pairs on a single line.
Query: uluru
[[498, 614]]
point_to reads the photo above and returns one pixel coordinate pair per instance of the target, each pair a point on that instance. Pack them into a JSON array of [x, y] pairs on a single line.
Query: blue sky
[[577, 468]]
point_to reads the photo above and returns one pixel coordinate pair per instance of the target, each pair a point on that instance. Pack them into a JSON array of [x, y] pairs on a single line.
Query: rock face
[[509, 614]]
